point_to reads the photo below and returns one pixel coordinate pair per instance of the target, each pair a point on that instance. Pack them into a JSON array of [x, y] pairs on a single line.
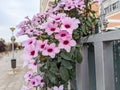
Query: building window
[[107, 10], [112, 7], [115, 5]]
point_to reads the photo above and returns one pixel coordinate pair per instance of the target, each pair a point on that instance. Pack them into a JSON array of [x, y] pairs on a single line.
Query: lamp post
[[13, 60]]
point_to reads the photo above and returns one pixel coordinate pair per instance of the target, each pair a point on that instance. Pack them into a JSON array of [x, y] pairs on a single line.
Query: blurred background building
[[44, 5], [112, 13]]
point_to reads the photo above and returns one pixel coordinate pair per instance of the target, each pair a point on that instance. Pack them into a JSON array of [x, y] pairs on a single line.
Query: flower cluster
[[53, 44], [71, 4]]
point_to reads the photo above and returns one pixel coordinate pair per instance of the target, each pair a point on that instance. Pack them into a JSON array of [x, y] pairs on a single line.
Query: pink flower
[[69, 5], [57, 18], [28, 76], [67, 44], [51, 28], [26, 62], [21, 32], [36, 20], [38, 33], [63, 34], [22, 24], [33, 82], [31, 51], [25, 88], [79, 4], [30, 41], [42, 15], [51, 50], [39, 79], [32, 65], [58, 88], [30, 31], [67, 24], [26, 59], [41, 45]]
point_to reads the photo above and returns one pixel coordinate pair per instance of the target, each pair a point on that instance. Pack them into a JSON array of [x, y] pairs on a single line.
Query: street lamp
[[13, 60]]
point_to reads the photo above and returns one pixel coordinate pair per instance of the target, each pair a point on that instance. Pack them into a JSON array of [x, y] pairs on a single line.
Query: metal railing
[[104, 66]]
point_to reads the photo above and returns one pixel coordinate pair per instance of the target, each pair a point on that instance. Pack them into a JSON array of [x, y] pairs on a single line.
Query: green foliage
[[61, 69]]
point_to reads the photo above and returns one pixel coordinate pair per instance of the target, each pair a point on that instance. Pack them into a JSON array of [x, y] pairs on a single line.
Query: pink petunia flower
[[30, 31], [51, 28], [58, 88], [31, 51], [26, 59], [42, 15], [41, 45], [36, 20], [56, 18], [67, 44], [51, 50], [63, 34], [38, 33], [32, 65], [28, 76], [30, 41], [33, 82], [25, 88], [40, 81], [69, 5], [67, 24], [26, 62], [21, 32], [79, 4], [22, 24]]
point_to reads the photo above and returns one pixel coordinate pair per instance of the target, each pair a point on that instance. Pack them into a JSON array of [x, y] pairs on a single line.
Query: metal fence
[[100, 69]]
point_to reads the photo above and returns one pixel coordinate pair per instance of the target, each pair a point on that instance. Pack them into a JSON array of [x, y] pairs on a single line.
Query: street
[[8, 79]]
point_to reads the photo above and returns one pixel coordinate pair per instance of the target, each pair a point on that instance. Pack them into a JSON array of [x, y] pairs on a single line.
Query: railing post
[[82, 76], [99, 63], [109, 66], [104, 65]]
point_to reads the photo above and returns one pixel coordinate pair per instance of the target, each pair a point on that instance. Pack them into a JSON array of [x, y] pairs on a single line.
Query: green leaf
[[67, 64], [78, 56], [78, 46], [64, 73], [76, 34], [54, 68], [65, 55], [90, 19], [59, 59], [96, 21], [72, 52], [51, 77], [88, 23], [83, 27]]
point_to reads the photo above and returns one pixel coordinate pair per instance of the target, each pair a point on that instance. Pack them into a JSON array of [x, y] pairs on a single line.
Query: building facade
[[44, 5], [112, 13]]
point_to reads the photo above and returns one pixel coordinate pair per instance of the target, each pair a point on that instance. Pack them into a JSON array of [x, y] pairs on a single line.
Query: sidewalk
[[8, 80]]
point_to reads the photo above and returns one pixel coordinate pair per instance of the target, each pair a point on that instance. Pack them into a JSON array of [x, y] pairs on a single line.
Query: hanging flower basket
[[53, 43]]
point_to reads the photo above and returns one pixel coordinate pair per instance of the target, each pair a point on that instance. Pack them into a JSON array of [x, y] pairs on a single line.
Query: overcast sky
[[12, 12]]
